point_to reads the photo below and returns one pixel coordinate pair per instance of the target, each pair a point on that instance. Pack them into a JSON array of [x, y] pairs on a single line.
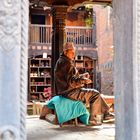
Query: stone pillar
[[58, 35], [127, 68], [13, 68]]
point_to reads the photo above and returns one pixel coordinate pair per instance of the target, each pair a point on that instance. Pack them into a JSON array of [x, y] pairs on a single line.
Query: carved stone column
[[58, 35], [13, 68], [127, 68]]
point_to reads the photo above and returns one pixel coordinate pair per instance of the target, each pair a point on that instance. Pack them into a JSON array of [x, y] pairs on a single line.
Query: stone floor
[[42, 130]]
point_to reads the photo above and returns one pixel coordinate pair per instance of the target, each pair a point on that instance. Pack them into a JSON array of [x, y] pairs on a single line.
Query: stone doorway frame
[[13, 51], [127, 68]]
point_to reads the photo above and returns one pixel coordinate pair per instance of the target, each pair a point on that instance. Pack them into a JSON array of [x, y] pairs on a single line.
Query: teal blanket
[[67, 109]]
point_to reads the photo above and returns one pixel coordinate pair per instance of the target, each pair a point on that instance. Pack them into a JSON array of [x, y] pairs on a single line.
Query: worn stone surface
[[13, 68], [42, 130], [127, 62]]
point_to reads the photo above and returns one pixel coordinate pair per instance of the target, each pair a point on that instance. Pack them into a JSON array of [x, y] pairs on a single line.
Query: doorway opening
[[94, 43]]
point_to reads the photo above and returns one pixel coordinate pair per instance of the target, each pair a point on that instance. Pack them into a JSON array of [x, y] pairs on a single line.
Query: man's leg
[[45, 111], [93, 97]]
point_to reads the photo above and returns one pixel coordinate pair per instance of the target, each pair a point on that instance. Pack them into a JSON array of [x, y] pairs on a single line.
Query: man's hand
[[86, 75]]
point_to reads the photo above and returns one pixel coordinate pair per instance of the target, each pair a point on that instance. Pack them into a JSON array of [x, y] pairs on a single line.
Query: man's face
[[71, 54]]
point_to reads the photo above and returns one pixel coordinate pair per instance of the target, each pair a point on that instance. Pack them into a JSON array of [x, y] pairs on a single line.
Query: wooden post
[[58, 36]]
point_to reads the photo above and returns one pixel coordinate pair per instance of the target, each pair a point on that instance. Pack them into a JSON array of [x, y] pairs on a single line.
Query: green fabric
[[67, 109]]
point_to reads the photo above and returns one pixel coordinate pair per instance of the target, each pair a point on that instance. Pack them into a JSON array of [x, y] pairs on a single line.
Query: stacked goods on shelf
[[39, 79]]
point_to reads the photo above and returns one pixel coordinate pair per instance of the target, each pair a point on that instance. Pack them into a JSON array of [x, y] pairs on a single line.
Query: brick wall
[[104, 37]]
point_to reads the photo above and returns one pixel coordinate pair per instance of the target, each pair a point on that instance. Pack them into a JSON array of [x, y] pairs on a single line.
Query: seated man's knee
[[96, 91]]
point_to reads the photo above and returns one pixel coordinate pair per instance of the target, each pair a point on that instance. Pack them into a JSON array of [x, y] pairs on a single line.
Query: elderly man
[[69, 83]]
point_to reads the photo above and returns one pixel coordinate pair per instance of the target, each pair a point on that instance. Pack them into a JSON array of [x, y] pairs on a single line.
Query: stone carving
[[10, 3], [23, 65], [13, 34], [9, 25], [8, 43], [9, 133], [9, 31]]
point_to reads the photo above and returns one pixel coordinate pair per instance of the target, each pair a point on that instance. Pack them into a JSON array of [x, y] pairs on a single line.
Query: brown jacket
[[67, 77]]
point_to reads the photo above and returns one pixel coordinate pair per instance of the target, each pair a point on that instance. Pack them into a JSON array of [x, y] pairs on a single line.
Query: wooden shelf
[[39, 77]]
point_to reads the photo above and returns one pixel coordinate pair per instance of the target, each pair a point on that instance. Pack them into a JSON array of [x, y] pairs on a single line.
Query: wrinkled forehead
[[71, 50]]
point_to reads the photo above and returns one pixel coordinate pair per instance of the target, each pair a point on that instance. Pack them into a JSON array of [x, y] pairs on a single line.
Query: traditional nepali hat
[[68, 46]]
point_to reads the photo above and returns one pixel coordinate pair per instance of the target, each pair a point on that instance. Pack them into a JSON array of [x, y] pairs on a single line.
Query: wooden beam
[[72, 2]]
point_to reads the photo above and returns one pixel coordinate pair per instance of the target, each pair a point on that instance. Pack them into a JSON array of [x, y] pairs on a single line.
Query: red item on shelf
[[45, 89]]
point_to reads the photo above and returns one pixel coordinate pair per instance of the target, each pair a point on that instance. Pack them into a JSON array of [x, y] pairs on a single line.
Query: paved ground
[[42, 130]]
